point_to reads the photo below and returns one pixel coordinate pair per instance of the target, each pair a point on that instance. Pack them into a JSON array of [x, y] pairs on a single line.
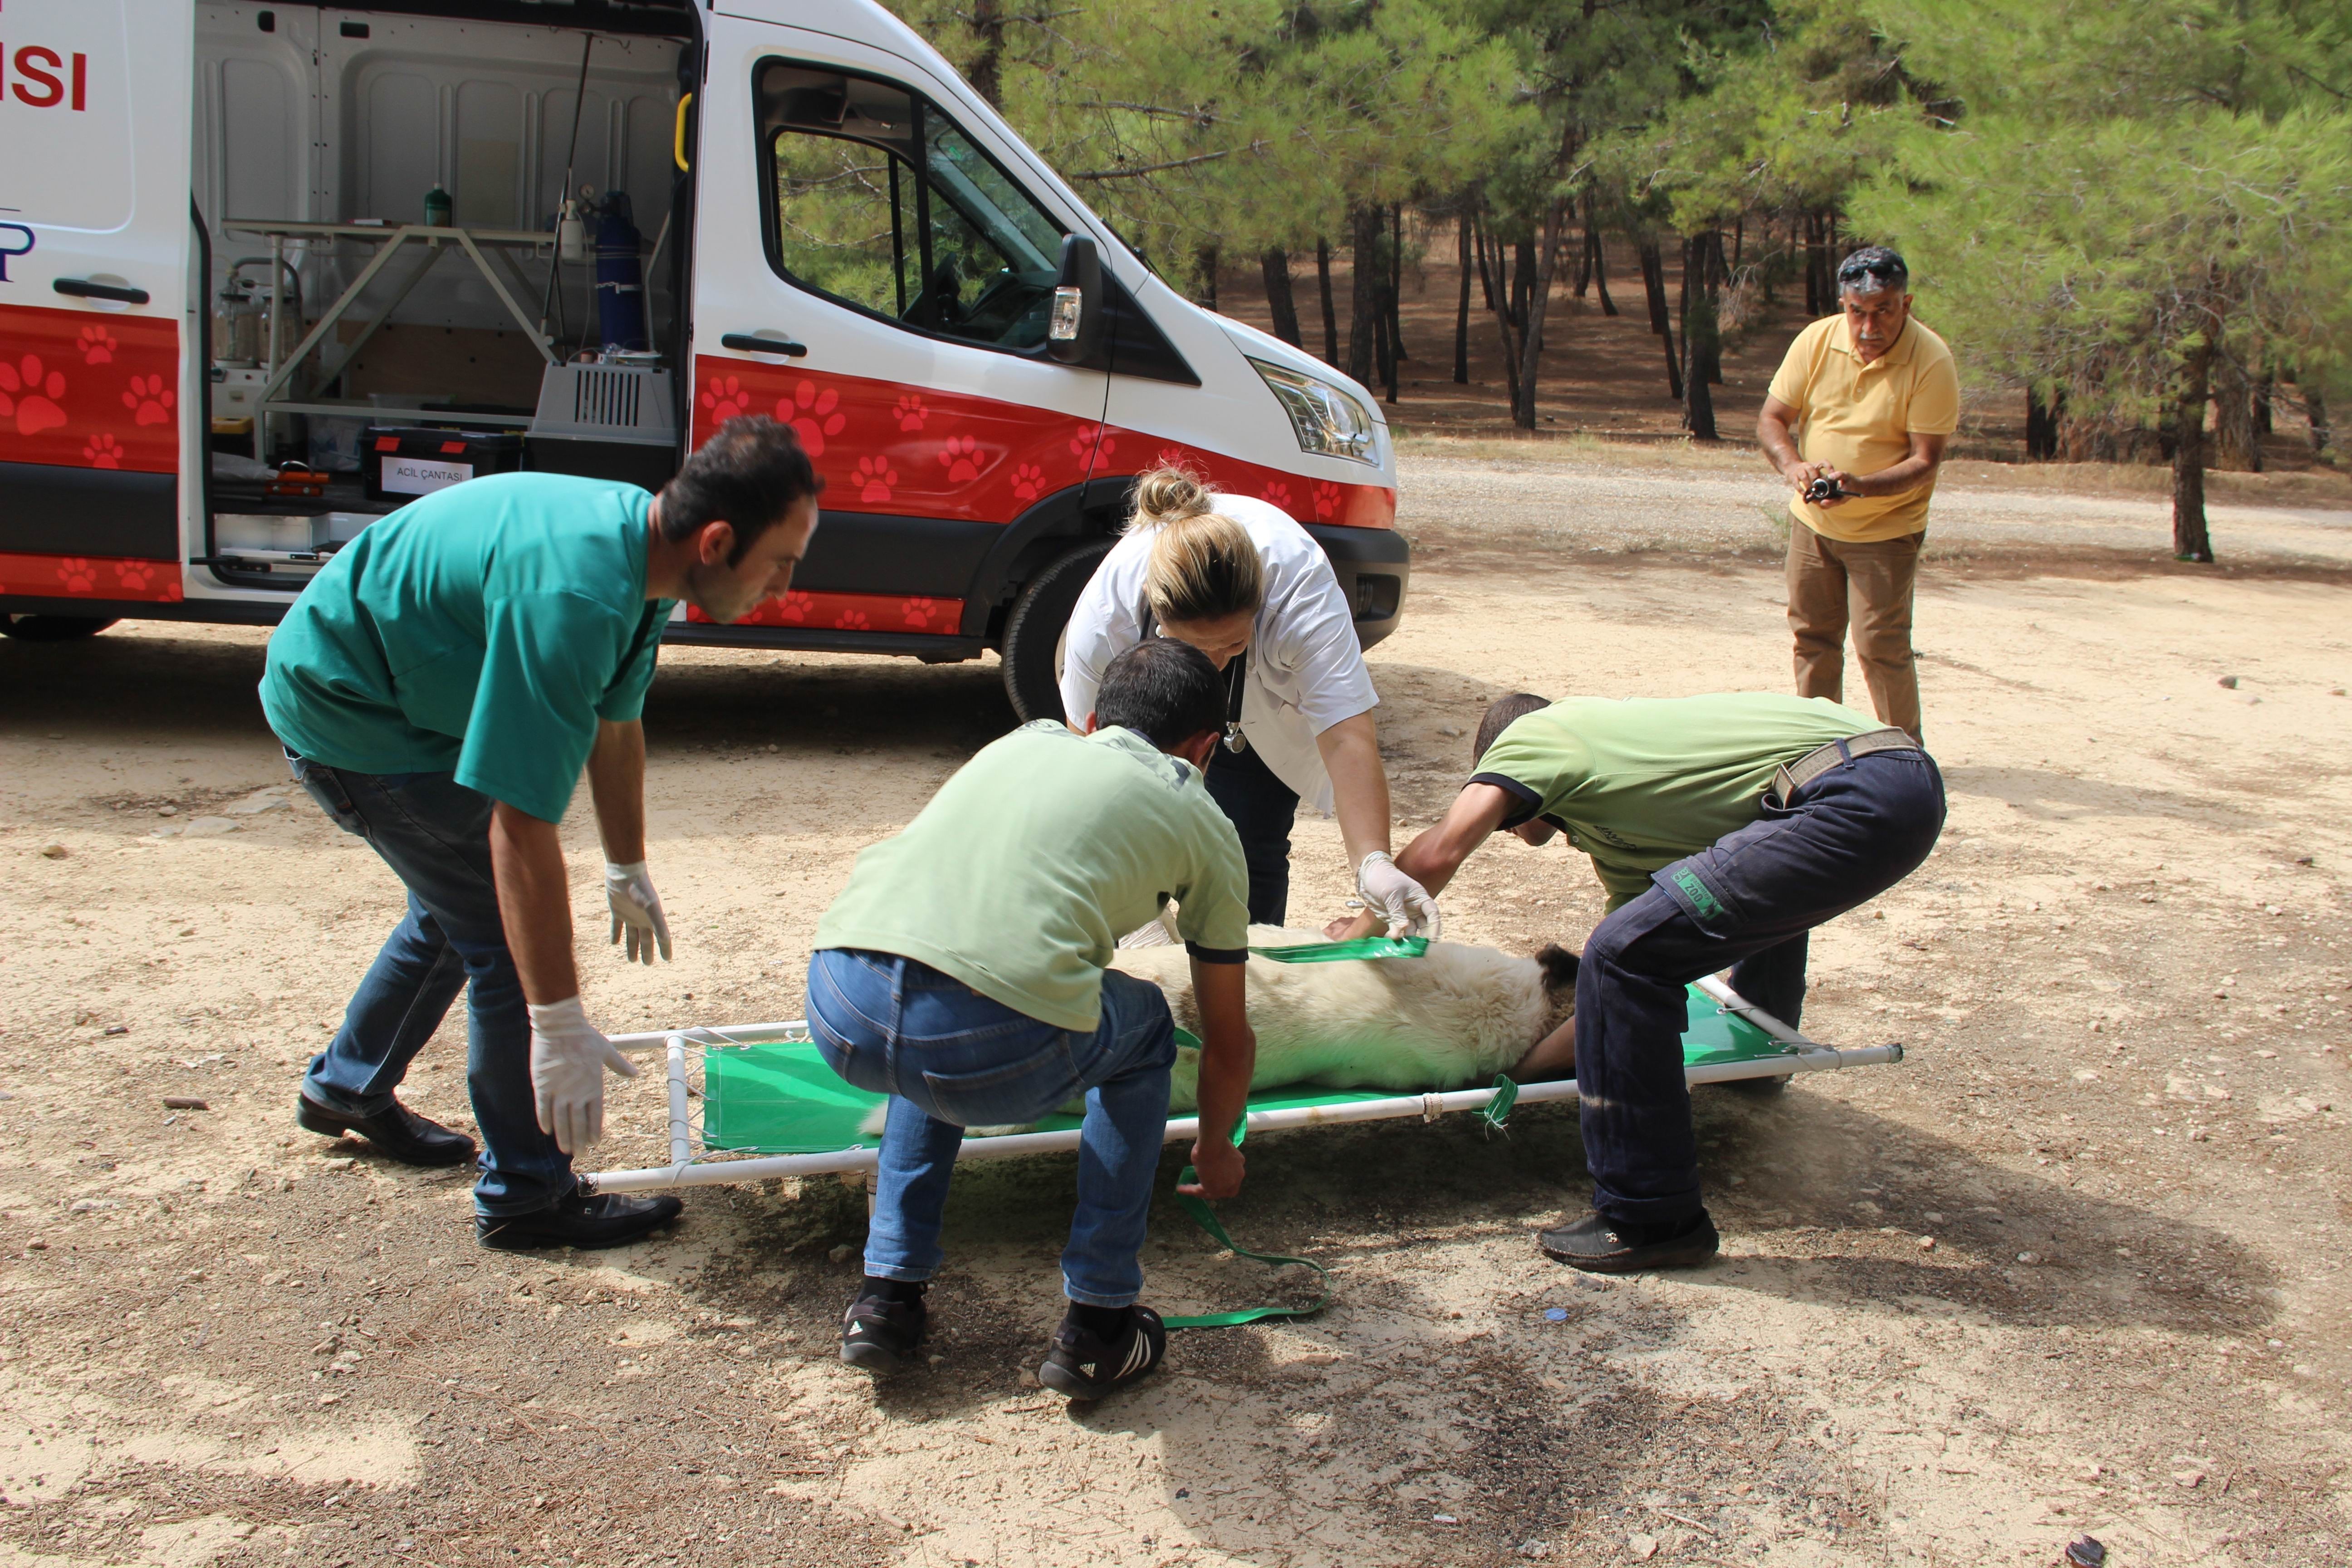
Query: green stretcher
[[771, 1108]]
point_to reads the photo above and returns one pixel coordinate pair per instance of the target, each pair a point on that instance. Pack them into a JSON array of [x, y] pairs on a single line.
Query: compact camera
[[1825, 488]]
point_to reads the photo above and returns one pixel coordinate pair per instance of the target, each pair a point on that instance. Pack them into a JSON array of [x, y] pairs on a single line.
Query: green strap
[[1206, 1218], [1334, 951], [1506, 1094]]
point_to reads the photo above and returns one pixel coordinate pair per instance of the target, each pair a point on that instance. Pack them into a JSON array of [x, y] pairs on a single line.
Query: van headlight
[[1328, 421]]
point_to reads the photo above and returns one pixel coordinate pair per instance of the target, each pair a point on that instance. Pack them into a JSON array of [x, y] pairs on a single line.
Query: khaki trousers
[[1830, 584]]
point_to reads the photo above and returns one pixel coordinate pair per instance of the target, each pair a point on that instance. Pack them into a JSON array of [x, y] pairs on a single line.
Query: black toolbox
[[400, 462]]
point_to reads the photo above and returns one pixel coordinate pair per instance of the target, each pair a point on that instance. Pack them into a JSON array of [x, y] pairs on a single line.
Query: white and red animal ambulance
[[268, 271]]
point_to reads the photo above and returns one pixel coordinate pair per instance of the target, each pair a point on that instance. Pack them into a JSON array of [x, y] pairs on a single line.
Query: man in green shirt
[[1725, 829], [963, 972], [437, 689]]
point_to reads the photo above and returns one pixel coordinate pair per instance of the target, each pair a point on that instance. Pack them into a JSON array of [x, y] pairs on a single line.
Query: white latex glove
[[568, 1058], [1396, 897], [636, 909]]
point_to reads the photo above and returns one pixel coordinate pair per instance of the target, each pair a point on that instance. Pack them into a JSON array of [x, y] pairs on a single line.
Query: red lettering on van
[[80, 83], [51, 92]]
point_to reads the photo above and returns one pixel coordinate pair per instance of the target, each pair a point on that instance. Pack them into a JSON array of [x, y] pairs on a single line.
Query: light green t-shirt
[[481, 631], [1639, 782], [1019, 876]]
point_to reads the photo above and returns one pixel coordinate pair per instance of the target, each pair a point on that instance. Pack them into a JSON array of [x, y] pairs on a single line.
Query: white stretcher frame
[[689, 1168]]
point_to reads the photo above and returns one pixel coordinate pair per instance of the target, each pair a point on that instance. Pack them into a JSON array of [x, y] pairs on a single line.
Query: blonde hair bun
[[1204, 565]]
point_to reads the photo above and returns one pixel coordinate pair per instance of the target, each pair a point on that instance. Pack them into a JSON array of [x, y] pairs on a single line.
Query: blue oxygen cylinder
[[620, 277]]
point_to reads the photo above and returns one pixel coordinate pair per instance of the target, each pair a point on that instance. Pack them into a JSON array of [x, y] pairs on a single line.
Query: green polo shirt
[[1640, 783], [481, 631], [1019, 876]]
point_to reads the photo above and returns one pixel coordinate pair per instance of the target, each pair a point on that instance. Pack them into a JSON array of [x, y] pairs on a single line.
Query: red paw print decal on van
[[1091, 441], [917, 613], [29, 391], [76, 574], [795, 607], [873, 478], [962, 460], [97, 347], [1028, 479], [136, 576], [911, 413], [1277, 493], [812, 414], [102, 451], [723, 398], [853, 621], [149, 399], [1327, 499]]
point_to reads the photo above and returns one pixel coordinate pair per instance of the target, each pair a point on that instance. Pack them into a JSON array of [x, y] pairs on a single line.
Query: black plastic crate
[[400, 462]]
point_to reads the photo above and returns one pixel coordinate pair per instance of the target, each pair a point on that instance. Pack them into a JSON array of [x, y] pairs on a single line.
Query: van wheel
[[1032, 633], [53, 628]]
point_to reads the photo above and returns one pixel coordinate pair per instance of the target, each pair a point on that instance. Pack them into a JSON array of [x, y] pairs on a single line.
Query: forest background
[[2134, 215]]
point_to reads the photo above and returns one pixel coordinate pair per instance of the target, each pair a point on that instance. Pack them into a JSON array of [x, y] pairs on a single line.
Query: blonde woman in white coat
[[1240, 580]]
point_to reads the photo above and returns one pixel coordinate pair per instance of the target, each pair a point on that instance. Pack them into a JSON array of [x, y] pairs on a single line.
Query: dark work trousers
[[1746, 902], [1261, 808], [434, 834]]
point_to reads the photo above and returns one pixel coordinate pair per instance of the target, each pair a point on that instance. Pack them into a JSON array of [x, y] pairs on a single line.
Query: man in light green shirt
[[963, 972], [1725, 829], [437, 689]]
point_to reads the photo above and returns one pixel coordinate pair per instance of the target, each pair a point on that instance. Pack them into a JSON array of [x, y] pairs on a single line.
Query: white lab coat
[[1305, 669]]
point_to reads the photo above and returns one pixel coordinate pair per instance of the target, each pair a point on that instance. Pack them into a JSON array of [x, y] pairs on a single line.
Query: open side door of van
[[97, 404], [875, 268]]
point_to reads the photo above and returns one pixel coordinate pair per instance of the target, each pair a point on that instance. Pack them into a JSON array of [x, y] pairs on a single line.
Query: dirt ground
[[2076, 1266]]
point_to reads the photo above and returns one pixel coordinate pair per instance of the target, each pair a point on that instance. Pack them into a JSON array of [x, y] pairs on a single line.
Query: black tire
[[1771, 1087], [1032, 633], [54, 628]]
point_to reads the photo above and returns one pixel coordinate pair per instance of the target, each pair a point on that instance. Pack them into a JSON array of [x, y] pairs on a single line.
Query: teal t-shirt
[[1639, 782], [481, 631], [1021, 874]]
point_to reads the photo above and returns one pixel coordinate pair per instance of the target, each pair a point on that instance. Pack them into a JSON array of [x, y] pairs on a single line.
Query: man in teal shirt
[[963, 972], [1725, 829], [437, 689]]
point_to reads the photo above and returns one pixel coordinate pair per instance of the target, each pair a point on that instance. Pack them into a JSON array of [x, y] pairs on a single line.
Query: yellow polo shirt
[[1862, 417]]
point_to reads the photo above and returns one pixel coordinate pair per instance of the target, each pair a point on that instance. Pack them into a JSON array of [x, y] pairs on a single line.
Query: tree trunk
[[2235, 445], [1396, 291], [2190, 540], [2315, 409], [1490, 264], [1205, 260], [1462, 308], [2266, 400], [1820, 289], [1538, 305], [986, 72], [1654, 285], [1330, 319], [1599, 253], [1523, 271], [1698, 341], [1364, 297], [2042, 424], [1584, 265], [1481, 237], [1278, 297]]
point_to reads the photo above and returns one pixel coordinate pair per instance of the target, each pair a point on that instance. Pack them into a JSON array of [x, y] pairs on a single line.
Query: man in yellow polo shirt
[[1872, 396]]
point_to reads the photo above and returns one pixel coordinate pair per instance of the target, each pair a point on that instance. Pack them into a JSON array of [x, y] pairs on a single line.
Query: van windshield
[[883, 202]]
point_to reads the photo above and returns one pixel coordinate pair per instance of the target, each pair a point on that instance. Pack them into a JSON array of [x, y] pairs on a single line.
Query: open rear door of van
[[98, 403]]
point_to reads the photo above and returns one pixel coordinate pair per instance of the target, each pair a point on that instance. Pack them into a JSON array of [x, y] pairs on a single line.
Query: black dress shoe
[[581, 1219], [397, 1130], [1600, 1246]]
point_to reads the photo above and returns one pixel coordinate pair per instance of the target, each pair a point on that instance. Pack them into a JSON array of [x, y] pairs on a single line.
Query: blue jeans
[[434, 834], [1261, 809], [1746, 901], [950, 1058]]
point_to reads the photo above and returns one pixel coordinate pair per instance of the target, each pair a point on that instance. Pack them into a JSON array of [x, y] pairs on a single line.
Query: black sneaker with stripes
[[884, 1325], [1090, 1361]]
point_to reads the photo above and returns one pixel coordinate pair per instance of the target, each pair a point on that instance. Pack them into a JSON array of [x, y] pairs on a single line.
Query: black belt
[[1791, 777]]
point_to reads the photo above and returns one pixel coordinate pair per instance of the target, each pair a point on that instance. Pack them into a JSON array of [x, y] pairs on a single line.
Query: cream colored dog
[[1454, 1017]]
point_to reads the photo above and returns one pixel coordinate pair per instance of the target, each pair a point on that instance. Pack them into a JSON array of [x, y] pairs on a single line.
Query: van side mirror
[[1074, 322]]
